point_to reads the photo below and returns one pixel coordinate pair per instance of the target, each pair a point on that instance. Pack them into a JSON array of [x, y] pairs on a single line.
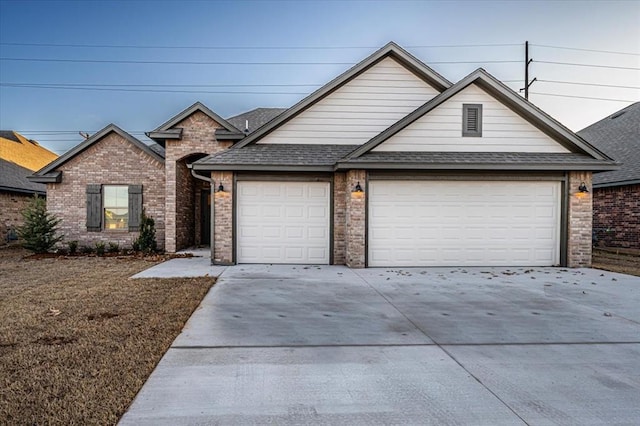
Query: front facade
[[616, 194], [387, 165]]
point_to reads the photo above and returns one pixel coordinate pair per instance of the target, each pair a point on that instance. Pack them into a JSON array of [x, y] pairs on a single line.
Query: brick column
[[170, 206], [355, 219], [339, 218], [223, 220], [580, 221]]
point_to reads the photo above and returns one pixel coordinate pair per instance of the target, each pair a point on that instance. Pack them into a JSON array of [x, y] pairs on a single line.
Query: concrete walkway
[[197, 266], [330, 345]]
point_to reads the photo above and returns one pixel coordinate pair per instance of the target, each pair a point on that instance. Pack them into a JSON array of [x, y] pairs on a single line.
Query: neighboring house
[[15, 193], [19, 158], [24, 152], [389, 164], [616, 194]]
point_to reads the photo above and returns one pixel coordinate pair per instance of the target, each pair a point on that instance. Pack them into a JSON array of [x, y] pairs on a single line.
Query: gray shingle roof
[[9, 135], [158, 149], [14, 178], [290, 155], [618, 135], [256, 117], [498, 159]]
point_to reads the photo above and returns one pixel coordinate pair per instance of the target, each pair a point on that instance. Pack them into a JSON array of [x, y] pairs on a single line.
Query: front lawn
[[78, 338]]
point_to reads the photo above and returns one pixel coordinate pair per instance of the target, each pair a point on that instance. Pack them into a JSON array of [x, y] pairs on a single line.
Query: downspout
[[213, 203]]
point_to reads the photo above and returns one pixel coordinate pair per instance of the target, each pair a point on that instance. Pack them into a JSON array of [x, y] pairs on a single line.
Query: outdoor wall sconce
[[220, 188], [357, 188], [583, 188]]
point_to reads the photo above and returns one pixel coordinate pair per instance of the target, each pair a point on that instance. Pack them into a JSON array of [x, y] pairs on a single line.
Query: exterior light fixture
[[357, 188], [583, 188], [220, 188]]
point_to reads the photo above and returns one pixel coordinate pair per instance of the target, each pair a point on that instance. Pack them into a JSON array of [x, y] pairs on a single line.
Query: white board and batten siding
[[283, 222], [464, 223], [440, 130], [359, 110]]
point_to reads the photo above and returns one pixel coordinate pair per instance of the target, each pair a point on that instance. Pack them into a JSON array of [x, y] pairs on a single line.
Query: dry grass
[[78, 338]]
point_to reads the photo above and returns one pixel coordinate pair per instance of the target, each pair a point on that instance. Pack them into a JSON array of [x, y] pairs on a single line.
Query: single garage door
[[283, 222], [464, 223]]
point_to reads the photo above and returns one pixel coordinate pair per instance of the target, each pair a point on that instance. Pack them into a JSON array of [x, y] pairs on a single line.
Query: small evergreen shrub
[[100, 248], [114, 248], [86, 249], [146, 241], [73, 247], [40, 230]]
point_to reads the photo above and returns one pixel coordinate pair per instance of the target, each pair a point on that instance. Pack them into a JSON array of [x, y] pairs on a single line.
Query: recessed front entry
[[464, 223], [283, 222]]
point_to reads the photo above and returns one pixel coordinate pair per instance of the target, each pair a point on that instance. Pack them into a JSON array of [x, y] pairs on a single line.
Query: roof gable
[[96, 137], [441, 129], [506, 96], [198, 106], [391, 50]]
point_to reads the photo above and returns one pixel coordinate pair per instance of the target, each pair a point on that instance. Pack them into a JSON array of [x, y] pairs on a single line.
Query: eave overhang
[[51, 177]]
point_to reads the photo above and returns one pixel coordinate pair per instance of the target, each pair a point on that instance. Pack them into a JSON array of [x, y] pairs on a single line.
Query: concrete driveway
[[330, 345]]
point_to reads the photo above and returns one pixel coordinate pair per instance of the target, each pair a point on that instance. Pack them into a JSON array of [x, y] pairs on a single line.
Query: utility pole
[[527, 62]]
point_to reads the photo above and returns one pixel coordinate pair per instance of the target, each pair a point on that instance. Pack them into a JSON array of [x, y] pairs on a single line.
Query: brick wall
[[11, 206], [198, 137], [355, 220], [223, 222], [339, 218], [616, 216], [115, 161], [580, 221]]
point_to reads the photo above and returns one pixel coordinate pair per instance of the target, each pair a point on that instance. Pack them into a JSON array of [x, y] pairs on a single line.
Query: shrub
[[100, 248], [40, 229], [114, 248], [73, 246], [146, 241], [86, 249]]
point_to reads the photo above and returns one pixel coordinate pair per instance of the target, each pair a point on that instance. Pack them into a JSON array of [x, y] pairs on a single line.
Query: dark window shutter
[[472, 120], [94, 208], [135, 206]]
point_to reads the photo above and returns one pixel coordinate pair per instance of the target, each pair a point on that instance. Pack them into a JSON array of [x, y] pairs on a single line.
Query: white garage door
[[463, 223], [283, 222]]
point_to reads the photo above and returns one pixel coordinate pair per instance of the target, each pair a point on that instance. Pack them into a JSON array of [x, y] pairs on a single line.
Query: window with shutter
[[471, 120]]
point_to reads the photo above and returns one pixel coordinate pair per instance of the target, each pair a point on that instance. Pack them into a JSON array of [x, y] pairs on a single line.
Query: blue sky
[[331, 34]]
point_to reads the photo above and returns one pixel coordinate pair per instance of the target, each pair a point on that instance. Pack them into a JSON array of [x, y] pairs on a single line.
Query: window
[[115, 202], [113, 207], [472, 120]]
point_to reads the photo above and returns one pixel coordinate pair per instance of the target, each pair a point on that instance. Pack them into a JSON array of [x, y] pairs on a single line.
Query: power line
[[105, 89], [139, 46], [580, 97], [589, 84], [165, 85], [124, 61], [588, 65], [585, 50]]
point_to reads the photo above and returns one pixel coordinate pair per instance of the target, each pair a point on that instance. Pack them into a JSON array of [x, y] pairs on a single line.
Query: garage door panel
[[471, 223], [283, 222]]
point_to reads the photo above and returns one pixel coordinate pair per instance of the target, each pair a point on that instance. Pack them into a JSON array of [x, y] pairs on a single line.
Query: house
[[388, 164], [19, 158], [616, 194]]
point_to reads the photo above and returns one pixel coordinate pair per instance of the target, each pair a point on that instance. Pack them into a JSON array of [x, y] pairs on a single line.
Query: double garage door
[[410, 223]]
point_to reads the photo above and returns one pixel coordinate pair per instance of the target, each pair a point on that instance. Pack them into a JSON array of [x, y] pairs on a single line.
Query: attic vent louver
[[472, 120]]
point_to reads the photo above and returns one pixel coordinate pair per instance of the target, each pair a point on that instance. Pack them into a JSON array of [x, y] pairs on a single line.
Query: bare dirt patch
[[78, 338], [624, 261]]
